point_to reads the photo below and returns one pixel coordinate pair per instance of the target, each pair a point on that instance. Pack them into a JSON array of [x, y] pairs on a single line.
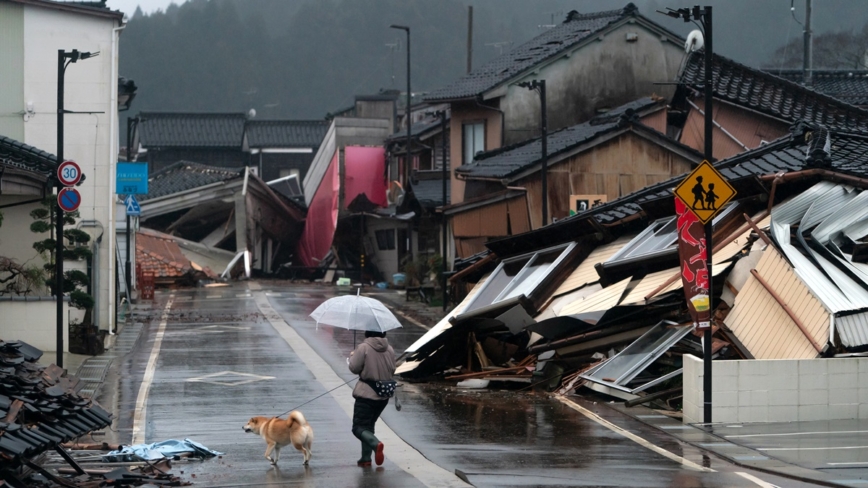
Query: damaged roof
[[160, 255], [510, 160], [771, 95], [549, 44], [40, 406], [850, 86], [285, 133], [186, 175], [179, 129]]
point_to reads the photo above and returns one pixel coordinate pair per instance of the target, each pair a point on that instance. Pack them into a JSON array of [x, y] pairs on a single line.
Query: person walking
[[374, 362]]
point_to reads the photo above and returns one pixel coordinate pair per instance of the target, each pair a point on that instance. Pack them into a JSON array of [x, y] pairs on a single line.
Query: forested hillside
[[304, 58]]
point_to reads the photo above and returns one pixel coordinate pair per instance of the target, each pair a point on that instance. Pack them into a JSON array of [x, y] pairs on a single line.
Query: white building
[[31, 33]]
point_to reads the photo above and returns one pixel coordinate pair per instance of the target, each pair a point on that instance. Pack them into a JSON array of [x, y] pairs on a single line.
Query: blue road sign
[[69, 199], [132, 179], [133, 208]]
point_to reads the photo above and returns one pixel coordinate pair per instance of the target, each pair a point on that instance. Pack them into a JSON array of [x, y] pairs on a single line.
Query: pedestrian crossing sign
[[705, 191], [133, 208]]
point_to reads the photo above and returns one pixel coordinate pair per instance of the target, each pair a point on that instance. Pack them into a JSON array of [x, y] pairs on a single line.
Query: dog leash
[[397, 402], [314, 398]]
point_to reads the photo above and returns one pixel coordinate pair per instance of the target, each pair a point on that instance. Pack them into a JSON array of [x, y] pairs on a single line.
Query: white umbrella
[[355, 312]]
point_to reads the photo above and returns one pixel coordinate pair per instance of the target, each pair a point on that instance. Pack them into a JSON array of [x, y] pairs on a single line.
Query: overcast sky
[[148, 6]]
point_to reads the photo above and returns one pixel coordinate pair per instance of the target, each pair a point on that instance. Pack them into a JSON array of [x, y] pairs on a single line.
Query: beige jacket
[[373, 360]]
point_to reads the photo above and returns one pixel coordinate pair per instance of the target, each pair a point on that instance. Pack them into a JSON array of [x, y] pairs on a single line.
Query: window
[[519, 275], [473, 140], [659, 236], [625, 366], [386, 239], [288, 172]]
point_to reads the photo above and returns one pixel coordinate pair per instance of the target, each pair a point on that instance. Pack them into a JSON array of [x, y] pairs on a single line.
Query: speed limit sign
[[69, 173]]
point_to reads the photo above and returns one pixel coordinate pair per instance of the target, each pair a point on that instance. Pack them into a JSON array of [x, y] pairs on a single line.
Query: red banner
[[692, 252]]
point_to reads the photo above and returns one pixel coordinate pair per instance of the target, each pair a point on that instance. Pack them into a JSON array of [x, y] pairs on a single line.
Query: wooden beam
[[787, 309]]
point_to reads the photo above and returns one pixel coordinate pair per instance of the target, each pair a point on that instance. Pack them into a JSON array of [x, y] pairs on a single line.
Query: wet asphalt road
[[220, 362]]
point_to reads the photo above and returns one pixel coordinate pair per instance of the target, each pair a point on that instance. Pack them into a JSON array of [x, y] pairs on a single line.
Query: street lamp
[[407, 110], [64, 58], [540, 87], [703, 15]]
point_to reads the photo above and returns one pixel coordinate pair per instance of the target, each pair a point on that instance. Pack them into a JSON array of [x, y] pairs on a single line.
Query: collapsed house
[[597, 299], [224, 210]]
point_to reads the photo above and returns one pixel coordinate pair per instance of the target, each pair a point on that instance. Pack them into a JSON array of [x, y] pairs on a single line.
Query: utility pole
[[63, 60], [704, 16], [709, 227], [807, 60], [58, 212], [445, 175]]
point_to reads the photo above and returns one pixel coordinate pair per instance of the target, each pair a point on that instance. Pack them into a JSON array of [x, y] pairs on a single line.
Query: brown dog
[[279, 433]]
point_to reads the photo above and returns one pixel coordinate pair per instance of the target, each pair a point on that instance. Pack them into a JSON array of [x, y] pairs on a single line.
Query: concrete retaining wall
[[778, 390], [34, 321]]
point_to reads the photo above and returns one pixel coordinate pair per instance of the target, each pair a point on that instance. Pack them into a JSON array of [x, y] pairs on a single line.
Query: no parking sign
[[68, 199]]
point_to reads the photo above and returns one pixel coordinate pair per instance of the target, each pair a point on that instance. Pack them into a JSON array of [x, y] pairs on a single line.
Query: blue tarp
[[159, 450]]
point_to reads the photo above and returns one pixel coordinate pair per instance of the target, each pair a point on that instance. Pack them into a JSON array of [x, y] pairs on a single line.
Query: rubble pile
[[597, 300], [41, 411]]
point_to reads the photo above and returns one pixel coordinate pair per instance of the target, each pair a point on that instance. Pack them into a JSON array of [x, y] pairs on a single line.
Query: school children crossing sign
[[705, 191]]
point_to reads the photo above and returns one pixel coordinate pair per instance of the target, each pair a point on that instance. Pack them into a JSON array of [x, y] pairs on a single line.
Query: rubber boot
[[365, 460], [371, 440]]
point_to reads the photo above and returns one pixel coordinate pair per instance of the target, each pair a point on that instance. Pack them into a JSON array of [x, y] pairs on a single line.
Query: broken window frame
[[643, 359], [659, 237], [517, 281]]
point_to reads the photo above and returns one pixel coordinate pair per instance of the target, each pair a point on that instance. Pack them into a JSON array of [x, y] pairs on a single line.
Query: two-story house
[[33, 31]]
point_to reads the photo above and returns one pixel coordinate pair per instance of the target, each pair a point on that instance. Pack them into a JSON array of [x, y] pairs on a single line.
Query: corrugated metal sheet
[[586, 273], [826, 204], [763, 326], [652, 281], [852, 330], [553, 309], [602, 300], [855, 211], [444, 322], [792, 211], [728, 251], [796, 210]]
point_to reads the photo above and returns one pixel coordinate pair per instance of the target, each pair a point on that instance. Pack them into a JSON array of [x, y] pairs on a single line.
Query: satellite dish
[[695, 41], [395, 194]]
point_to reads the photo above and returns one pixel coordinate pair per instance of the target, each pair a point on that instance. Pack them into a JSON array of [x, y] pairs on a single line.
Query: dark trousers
[[365, 415]]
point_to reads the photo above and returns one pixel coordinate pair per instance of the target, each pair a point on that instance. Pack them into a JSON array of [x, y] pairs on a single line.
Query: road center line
[[141, 413], [633, 437], [398, 451], [756, 480]]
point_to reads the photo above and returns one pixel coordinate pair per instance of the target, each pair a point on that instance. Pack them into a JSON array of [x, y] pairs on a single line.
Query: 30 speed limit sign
[[69, 173]]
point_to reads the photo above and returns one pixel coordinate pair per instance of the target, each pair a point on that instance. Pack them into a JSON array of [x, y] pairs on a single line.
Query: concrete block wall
[[34, 321], [778, 390]]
